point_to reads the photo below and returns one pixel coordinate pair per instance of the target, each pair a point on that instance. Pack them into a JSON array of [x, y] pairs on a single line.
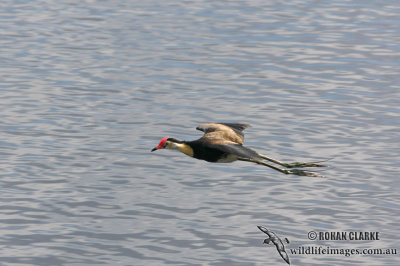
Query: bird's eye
[[166, 144]]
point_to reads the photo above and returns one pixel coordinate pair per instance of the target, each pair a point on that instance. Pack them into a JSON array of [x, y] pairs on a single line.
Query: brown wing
[[223, 133]]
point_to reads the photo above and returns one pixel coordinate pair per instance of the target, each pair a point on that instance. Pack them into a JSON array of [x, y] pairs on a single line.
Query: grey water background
[[89, 87]]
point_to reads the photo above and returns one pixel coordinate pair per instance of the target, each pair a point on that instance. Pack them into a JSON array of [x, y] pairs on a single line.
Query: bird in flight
[[223, 143], [272, 237]]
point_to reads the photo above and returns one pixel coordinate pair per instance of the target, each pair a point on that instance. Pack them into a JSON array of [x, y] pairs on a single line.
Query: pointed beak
[[154, 149]]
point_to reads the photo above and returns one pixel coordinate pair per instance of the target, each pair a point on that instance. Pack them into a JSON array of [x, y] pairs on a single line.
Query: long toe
[[304, 173], [300, 165]]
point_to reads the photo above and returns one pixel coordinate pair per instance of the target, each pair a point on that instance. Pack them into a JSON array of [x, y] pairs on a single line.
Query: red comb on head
[[162, 142]]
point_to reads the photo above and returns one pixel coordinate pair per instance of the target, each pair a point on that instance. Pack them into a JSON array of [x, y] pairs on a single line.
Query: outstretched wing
[[263, 229], [231, 132]]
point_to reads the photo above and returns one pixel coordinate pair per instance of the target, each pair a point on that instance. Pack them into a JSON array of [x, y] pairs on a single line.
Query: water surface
[[88, 88]]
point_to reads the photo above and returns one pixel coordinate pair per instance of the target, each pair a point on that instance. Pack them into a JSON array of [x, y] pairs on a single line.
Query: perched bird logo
[[272, 237]]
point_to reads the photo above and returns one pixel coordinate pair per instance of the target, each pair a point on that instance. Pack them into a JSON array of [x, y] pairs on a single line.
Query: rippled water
[[89, 87]]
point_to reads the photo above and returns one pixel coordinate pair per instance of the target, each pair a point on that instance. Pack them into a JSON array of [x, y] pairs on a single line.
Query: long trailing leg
[[285, 171], [291, 165]]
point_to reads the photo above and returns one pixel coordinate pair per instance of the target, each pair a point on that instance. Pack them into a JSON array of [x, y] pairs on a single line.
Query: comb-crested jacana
[[223, 143]]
